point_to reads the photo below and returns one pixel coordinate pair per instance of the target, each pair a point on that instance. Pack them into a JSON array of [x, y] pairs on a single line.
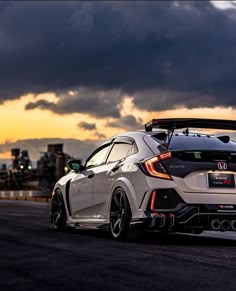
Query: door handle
[[91, 175]]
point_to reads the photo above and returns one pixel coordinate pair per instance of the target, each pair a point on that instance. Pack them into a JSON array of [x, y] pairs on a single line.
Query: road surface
[[34, 257]]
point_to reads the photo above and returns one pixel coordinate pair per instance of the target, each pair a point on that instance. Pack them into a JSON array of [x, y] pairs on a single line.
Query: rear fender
[[125, 184]]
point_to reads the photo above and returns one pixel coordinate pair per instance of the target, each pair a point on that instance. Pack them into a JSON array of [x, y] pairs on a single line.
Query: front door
[[82, 203], [81, 196]]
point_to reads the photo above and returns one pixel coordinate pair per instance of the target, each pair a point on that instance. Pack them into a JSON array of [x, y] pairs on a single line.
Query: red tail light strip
[[165, 156], [153, 200]]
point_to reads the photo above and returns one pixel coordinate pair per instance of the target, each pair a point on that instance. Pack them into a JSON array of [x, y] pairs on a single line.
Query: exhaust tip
[[225, 224], [215, 224], [233, 225]]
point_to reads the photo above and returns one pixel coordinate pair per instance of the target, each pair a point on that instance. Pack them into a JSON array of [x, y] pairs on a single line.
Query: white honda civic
[[166, 178]]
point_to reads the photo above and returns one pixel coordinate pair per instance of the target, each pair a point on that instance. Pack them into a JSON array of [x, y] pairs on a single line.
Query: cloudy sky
[[88, 70]]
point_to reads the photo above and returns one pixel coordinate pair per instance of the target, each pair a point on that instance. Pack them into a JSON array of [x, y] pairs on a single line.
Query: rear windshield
[[182, 142]]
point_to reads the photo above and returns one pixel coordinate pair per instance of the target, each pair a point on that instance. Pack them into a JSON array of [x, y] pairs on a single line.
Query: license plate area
[[221, 180]]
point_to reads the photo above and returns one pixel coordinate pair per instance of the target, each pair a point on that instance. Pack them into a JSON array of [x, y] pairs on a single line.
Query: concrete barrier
[[26, 195]]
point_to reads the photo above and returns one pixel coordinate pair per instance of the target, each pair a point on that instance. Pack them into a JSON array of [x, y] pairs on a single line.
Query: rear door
[[108, 173]]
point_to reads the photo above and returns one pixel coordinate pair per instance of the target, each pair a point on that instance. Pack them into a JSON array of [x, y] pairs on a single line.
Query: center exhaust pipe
[[225, 225], [215, 224], [233, 224]]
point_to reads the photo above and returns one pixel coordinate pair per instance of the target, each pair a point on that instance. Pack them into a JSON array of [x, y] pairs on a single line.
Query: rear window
[[182, 142], [205, 156]]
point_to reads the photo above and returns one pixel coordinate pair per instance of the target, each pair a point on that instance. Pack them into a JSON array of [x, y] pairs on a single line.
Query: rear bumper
[[166, 210], [193, 218], [208, 197]]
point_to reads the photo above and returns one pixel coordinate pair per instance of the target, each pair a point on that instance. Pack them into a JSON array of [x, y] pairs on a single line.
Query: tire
[[120, 217], [58, 212]]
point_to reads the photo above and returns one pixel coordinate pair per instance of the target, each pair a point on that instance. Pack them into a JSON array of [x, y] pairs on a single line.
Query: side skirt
[[101, 224]]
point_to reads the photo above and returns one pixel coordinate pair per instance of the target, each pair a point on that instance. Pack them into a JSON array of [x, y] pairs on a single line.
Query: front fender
[[61, 185]]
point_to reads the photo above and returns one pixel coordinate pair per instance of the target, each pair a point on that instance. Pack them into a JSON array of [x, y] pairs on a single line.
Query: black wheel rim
[[117, 214], [56, 210]]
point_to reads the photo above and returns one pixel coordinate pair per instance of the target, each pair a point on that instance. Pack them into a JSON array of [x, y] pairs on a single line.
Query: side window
[[98, 157], [133, 150], [119, 151]]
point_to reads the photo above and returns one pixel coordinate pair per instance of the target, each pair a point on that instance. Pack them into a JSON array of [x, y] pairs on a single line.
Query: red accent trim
[[155, 214], [153, 200], [155, 121]]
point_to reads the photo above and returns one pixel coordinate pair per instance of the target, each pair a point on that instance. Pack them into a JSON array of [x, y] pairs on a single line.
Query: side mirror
[[75, 165]]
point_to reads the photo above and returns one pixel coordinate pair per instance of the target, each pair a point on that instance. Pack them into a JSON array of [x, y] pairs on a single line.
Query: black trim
[[189, 217], [67, 196], [143, 199], [167, 199], [177, 123], [121, 139]]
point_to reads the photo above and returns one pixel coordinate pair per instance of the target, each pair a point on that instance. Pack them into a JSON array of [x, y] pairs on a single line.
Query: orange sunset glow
[[22, 124]]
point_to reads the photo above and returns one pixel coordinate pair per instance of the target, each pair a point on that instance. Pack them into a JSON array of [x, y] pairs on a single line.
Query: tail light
[[155, 168]]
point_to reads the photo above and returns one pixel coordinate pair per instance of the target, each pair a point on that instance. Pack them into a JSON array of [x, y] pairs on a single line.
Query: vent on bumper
[[164, 199]]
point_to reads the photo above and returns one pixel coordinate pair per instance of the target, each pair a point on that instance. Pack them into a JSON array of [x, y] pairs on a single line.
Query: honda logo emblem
[[222, 166]]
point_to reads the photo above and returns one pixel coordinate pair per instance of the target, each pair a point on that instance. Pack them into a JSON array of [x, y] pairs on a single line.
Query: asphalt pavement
[[34, 257]]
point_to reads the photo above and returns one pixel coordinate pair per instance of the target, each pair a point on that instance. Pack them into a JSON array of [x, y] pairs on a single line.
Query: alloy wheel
[[58, 215], [119, 213]]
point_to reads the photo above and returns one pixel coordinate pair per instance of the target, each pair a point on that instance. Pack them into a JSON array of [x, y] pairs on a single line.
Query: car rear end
[[191, 184]]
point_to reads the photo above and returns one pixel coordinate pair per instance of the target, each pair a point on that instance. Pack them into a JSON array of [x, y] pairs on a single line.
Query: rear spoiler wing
[[178, 123]]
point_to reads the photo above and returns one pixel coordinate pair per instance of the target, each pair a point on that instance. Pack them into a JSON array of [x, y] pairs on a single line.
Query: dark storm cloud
[[87, 126], [164, 53], [97, 103], [4, 5], [128, 122], [42, 104]]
